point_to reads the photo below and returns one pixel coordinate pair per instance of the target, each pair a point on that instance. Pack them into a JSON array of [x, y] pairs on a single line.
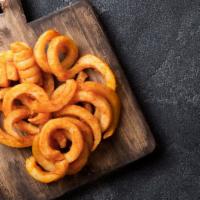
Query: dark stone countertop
[[158, 44]]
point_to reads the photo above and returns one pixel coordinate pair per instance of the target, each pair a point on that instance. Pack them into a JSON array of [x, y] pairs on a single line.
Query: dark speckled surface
[[158, 44]]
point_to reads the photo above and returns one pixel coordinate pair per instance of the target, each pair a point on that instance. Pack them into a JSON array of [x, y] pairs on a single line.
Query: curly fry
[[112, 98], [78, 164], [72, 133], [48, 83], [24, 88], [56, 46], [3, 92], [40, 49], [11, 141], [92, 62], [42, 103], [47, 164], [85, 130], [11, 70], [99, 102], [4, 82], [46, 176], [87, 117], [60, 97], [27, 127], [82, 76], [25, 63], [13, 117], [40, 118]]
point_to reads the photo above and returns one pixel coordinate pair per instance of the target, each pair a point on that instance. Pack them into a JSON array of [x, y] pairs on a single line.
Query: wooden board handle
[[15, 21], [13, 11], [4, 4]]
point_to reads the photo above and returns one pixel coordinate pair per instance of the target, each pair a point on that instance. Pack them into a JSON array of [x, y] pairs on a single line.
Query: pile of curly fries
[[50, 104]]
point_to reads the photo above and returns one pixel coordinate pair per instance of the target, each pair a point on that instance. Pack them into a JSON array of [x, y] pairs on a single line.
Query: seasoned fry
[[54, 50], [27, 127], [78, 164], [87, 117], [44, 176], [61, 96], [40, 118], [40, 49], [82, 76], [112, 98], [11, 70], [48, 83], [25, 63], [4, 82], [24, 88], [72, 133], [14, 117], [92, 62], [11, 141], [105, 112]]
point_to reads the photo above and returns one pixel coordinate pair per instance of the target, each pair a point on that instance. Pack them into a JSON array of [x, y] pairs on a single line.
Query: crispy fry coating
[[112, 98], [72, 133], [25, 63], [92, 62], [14, 117], [54, 50], [40, 49], [99, 102], [87, 117]]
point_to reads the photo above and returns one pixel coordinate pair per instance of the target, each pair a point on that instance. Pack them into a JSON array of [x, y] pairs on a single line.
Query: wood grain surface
[[133, 138]]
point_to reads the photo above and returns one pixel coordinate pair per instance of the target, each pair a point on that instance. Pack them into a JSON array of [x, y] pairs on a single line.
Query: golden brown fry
[[11, 141], [24, 61], [92, 62], [42, 175], [60, 97], [14, 117], [78, 164], [87, 117], [15, 92], [82, 76], [99, 102], [40, 118], [48, 83], [72, 133], [27, 127], [11, 70], [3, 92], [112, 98], [4, 82], [85, 130], [54, 50], [42, 103], [40, 49]]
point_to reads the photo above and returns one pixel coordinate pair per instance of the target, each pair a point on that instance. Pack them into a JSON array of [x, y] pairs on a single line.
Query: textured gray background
[[158, 44]]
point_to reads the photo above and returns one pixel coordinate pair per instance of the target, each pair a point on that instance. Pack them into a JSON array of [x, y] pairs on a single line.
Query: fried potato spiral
[[56, 164], [56, 45], [25, 63], [8, 70]]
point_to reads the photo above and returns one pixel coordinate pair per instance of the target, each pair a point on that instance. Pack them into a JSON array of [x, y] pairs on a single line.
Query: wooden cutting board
[[132, 139]]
